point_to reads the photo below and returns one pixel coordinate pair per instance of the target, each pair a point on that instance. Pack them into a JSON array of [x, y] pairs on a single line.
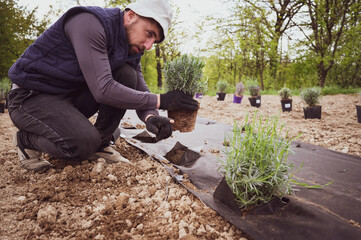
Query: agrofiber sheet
[[333, 212]]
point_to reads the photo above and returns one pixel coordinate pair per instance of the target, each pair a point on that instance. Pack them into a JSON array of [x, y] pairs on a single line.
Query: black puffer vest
[[50, 64]]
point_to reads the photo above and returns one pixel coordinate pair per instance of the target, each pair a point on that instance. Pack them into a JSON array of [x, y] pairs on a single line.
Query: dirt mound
[[94, 200]]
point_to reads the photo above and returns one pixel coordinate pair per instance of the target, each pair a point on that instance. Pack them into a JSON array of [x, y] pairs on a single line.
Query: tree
[[329, 20], [284, 11], [117, 3], [250, 34], [168, 50], [18, 29]]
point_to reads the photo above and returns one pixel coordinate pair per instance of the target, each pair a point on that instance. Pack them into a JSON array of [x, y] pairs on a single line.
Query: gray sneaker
[[29, 159], [111, 156]]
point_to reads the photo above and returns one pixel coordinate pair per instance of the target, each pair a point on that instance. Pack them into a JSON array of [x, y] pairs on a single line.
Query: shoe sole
[[32, 164]]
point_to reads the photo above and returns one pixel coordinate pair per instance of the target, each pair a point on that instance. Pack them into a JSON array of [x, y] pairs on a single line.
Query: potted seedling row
[[185, 74], [286, 100], [238, 95], [358, 109], [311, 96], [221, 87]]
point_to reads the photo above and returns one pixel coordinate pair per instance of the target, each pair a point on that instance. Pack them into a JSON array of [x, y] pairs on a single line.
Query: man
[[86, 62]]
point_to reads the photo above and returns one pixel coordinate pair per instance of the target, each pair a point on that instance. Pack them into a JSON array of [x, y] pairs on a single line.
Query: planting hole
[[181, 155], [145, 137]]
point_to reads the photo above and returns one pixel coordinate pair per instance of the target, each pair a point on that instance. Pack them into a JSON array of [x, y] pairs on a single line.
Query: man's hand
[[174, 100], [160, 126]]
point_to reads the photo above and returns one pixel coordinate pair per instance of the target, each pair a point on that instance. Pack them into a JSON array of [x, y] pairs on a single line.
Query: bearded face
[[142, 33]]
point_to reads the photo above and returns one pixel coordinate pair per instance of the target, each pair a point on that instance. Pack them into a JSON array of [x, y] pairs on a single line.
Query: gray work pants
[[59, 124]]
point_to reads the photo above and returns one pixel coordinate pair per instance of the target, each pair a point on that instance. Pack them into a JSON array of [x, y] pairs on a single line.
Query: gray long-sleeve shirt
[[89, 42]]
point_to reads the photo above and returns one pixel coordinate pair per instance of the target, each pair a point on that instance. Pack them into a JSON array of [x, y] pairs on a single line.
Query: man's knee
[[126, 75], [83, 146]]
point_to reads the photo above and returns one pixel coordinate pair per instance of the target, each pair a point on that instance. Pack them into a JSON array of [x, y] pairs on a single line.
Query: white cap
[[159, 10]]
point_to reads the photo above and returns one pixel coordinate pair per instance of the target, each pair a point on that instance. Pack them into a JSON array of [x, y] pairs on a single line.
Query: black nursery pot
[[358, 110], [286, 105], [255, 101], [2, 107], [221, 96], [6, 102], [312, 112]]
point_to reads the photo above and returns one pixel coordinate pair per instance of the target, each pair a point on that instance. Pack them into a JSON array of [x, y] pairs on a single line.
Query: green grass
[[333, 90]]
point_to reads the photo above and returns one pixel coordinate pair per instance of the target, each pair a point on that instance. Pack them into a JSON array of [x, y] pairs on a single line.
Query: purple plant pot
[[237, 99]]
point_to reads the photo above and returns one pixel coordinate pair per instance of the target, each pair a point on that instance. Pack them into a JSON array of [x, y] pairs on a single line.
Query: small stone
[[122, 201], [145, 165], [68, 169], [167, 214], [12, 151], [140, 226], [201, 230], [86, 224], [8, 163], [345, 150], [128, 222], [51, 171], [152, 190], [98, 168], [182, 224], [47, 215], [112, 178], [99, 237], [182, 233], [21, 199]]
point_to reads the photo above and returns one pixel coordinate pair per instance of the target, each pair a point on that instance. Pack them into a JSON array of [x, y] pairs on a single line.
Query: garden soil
[[95, 200]]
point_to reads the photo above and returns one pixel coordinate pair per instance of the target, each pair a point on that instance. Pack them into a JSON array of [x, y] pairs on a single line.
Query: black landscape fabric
[[332, 212]]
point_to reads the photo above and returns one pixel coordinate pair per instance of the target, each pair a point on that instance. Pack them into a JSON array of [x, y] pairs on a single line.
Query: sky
[[191, 12]]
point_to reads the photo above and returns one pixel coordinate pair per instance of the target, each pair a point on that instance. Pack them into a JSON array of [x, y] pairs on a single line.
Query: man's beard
[[132, 48]]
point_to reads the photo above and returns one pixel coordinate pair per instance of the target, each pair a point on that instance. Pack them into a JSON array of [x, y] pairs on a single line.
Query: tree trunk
[[322, 73], [354, 75], [159, 66]]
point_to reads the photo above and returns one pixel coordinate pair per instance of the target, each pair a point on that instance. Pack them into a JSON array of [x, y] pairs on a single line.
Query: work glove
[[174, 100], [160, 126]]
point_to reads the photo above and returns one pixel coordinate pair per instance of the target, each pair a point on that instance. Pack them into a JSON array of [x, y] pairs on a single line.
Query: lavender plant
[[239, 89], [256, 167], [185, 74], [285, 93], [311, 96], [253, 88], [222, 85]]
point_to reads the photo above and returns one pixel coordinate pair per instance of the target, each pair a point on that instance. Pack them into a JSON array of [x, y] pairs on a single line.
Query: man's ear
[[129, 17]]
